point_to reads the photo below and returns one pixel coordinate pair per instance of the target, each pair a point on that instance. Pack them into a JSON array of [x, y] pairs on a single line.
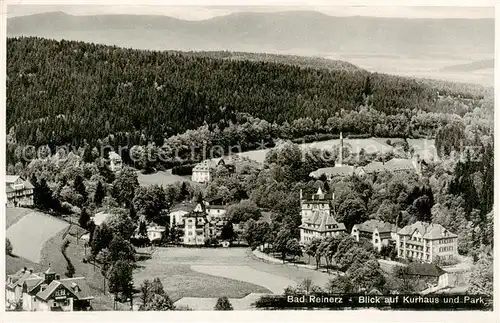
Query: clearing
[[161, 178], [29, 231]]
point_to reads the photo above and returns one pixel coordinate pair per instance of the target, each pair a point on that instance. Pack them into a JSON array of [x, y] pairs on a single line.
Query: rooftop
[[425, 269], [333, 171], [322, 221], [371, 225], [427, 230]]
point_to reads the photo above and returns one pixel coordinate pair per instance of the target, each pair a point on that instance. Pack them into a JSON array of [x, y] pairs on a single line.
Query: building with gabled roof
[[426, 242], [19, 191], [47, 291], [316, 216], [380, 233], [202, 172]]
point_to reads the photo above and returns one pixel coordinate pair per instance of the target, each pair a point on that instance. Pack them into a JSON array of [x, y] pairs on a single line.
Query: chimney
[[31, 270], [25, 269], [58, 277]]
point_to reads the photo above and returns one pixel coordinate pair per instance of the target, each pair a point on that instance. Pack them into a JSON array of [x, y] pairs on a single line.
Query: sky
[[200, 12]]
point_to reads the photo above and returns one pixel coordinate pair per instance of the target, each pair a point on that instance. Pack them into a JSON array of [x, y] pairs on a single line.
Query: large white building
[[317, 217], [202, 172], [426, 242], [19, 191]]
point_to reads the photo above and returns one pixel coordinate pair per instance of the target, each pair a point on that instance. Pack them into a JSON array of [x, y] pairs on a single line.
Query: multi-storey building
[[380, 233], [426, 242], [47, 292], [202, 172], [19, 191], [317, 217]]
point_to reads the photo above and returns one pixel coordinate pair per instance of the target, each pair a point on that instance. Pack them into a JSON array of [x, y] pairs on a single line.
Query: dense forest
[[67, 92]]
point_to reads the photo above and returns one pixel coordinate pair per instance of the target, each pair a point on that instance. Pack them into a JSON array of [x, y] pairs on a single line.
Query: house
[[316, 217], [333, 172], [115, 162], [403, 165], [395, 165], [155, 232], [177, 217], [426, 242], [380, 233], [196, 226], [202, 172], [19, 191], [47, 292], [372, 168], [216, 209]]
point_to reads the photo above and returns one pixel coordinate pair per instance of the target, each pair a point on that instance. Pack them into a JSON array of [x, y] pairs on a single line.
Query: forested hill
[[302, 61], [67, 92]]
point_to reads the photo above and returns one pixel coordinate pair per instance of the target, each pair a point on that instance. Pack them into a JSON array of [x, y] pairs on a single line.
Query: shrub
[[223, 304], [8, 247]]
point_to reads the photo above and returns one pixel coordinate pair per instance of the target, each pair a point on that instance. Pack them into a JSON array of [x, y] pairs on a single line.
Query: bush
[[183, 170], [223, 304], [8, 247]]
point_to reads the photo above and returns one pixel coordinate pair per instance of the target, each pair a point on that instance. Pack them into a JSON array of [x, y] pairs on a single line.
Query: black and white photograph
[[166, 157]]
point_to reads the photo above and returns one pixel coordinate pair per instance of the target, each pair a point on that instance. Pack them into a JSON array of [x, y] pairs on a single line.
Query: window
[[60, 292]]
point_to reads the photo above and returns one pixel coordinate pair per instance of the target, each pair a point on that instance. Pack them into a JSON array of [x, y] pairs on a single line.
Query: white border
[[251, 316]]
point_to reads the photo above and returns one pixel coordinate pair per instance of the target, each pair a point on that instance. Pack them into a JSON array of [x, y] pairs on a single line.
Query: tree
[[70, 269], [8, 247], [121, 249], [227, 232], [84, 218], [79, 187], [366, 276], [223, 304], [154, 298], [293, 248], [101, 238], [99, 194], [243, 211], [120, 223], [351, 211], [408, 283], [312, 250], [450, 137], [120, 278], [42, 195], [389, 251], [340, 285], [281, 242], [150, 201], [125, 185], [481, 277]]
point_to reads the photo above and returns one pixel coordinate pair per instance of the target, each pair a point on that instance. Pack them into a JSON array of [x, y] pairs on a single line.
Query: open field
[[231, 272], [161, 178], [31, 231], [14, 214]]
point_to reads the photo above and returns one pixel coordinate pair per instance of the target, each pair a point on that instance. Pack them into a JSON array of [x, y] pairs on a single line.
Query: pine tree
[[84, 218], [80, 187], [99, 194]]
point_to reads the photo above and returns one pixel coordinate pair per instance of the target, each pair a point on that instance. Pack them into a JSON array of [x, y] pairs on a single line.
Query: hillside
[[71, 92], [309, 33], [470, 67]]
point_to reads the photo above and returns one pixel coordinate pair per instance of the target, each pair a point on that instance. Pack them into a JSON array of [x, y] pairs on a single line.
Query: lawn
[[161, 178], [231, 272], [14, 214], [30, 232]]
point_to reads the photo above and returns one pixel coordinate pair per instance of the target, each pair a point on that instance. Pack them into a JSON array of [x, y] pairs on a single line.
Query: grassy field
[[14, 214], [29, 232], [231, 272], [161, 178]]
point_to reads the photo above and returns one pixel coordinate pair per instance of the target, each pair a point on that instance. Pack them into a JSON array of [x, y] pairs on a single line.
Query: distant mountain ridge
[[300, 32]]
